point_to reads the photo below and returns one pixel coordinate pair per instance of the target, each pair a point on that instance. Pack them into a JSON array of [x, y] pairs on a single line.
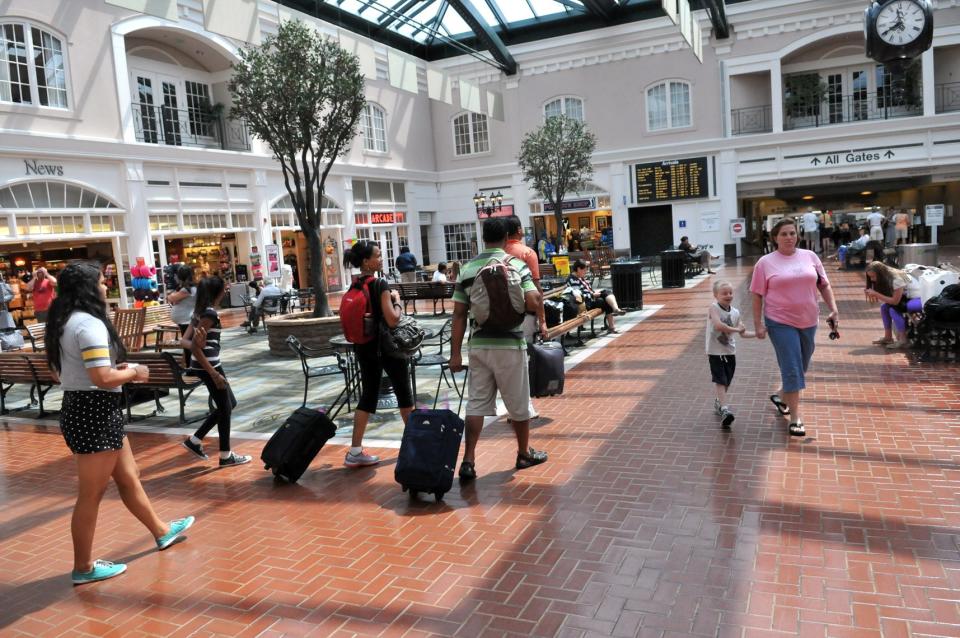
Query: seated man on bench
[[692, 250], [857, 246], [271, 290]]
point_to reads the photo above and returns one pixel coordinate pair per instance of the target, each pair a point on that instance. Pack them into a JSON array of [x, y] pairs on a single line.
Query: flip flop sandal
[[882, 342], [797, 429], [782, 407]]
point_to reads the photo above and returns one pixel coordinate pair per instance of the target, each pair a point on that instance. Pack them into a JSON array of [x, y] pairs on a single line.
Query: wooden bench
[[547, 271], [692, 265], [166, 373], [26, 368], [37, 333], [435, 291], [158, 321], [562, 329]]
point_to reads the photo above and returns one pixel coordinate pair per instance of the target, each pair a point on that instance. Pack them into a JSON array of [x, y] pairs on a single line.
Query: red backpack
[[356, 312]]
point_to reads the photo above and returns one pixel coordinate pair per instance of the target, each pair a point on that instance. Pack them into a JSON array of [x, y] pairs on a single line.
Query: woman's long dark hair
[[184, 275], [78, 290], [207, 292]]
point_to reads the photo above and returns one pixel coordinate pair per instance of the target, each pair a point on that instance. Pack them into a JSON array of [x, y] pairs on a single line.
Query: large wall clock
[[898, 29]]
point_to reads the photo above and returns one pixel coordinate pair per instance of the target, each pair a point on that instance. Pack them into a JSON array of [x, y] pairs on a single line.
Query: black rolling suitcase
[[428, 452], [545, 361], [293, 447]]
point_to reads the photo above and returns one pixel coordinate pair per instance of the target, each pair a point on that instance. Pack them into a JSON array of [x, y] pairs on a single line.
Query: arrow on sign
[[889, 154], [815, 161]]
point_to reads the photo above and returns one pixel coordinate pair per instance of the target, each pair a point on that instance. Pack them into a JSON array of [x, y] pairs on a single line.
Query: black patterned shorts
[[92, 421]]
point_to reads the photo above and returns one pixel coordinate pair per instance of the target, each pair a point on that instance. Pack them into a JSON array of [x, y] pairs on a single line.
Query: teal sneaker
[[177, 528], [102, 570]]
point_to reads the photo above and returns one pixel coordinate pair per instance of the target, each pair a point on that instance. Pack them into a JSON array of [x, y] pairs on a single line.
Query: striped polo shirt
[[85, 343], [481, 339]]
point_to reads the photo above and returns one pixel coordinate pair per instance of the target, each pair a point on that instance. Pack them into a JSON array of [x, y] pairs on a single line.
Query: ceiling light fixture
[[807, 198], [867, 193]]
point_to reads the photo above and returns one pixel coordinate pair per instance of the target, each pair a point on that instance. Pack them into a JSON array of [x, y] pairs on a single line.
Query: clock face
[[900, 22]]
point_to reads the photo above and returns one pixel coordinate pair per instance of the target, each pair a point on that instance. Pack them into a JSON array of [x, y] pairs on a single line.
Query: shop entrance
[[651, 229]]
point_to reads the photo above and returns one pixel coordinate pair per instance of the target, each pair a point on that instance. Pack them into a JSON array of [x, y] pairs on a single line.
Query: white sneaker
[[360, 460]]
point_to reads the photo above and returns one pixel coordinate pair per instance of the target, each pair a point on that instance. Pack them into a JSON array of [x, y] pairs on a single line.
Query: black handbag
[[403, 340]]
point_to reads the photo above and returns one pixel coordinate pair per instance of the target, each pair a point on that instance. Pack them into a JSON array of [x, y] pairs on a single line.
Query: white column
[[412, 191], [138, 218], [349, 219], [776, 96], [726, 184], [118, 264], [261, 222], [619, 202], [929, 84]]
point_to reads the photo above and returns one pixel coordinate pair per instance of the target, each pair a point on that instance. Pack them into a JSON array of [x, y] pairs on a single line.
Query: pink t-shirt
[[521, 251], [788, 285]]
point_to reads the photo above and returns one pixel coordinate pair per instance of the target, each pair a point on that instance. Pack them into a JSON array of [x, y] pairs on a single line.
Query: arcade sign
[[387, 218]]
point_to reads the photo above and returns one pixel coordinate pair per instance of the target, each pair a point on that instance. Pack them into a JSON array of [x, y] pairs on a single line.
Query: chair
[[314, 371], [129, 326], [438, 358], [307, 299]]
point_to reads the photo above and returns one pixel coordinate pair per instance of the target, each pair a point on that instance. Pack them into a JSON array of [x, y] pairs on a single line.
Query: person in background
[[440, 276], [43, 287], [270, 291], [811, 230], [875, 221], [784, 286], [385, 307], [182, 301], [898, 294], [705, 256], [603, 299], [83, 347], [453, 273], [902, 225], [203, 340], [406, 265]]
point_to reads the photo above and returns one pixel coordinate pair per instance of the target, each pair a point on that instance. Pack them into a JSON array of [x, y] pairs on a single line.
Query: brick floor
[[647, 521]]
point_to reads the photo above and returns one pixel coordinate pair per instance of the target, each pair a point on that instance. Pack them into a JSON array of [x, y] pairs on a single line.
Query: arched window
[[374, 128], [282, 215], [572, 107], [46, 195], [470, 134], [668, 105], [32, 69]]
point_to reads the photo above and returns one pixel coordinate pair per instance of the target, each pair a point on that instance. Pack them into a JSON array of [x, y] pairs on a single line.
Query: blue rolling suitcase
[[428, 452]]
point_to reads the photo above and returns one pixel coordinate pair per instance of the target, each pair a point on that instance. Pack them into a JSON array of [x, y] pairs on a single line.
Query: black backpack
[[945, 307]]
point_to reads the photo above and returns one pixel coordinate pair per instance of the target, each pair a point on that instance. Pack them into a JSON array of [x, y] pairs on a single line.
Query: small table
[[387, 398]]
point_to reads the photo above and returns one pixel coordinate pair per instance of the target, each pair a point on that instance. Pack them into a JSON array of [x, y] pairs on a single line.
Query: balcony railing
[[948, 97], [156, 124], [861, 106], [750, 120]]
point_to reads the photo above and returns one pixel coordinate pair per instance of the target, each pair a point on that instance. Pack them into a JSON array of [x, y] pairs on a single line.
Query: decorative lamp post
[[487, 207]]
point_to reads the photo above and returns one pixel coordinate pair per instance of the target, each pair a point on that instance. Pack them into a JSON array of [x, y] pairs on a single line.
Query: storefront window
[[460, 241], [204, 221], [380, 192], [163, 222]]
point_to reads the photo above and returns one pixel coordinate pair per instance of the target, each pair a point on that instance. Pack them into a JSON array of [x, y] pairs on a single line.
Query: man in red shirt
[[43, 288], [518, 249]]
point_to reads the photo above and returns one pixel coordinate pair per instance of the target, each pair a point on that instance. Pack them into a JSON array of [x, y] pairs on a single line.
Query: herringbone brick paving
[[648, 520]]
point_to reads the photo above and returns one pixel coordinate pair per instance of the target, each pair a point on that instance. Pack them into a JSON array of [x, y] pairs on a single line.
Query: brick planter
[[313, 332]]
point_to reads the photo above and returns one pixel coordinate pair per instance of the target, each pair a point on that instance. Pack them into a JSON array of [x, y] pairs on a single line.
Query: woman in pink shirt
[[785, 306]]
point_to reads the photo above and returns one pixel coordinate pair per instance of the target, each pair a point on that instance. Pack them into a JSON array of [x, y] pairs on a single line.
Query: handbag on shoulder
[[403, 340]]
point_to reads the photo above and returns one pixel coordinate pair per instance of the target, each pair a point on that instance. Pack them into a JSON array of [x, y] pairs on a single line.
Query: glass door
[[860, 94], [158, 102], [145, 118], [384, 238], [835, 97]]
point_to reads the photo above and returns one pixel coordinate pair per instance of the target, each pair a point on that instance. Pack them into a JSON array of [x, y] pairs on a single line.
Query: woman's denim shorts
[[794, 348]]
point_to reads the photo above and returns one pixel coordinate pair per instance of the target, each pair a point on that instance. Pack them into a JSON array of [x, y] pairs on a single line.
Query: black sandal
[[531, 458], [797, 429], [468, 471], [782, 407]]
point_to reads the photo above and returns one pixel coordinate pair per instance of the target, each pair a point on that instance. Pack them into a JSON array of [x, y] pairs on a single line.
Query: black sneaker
[[235, 459], [197, 449], [245, 324], [468, 471], [726, 417], [251, 331]]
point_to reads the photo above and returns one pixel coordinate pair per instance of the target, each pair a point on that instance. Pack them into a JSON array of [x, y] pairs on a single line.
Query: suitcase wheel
[[403, 487], [439, 496]]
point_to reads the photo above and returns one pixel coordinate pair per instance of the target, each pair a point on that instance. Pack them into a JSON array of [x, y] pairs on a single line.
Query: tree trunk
[[558, 216], [322, 305]]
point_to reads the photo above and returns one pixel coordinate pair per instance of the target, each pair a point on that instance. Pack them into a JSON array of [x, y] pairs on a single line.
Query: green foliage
[[303, 95], [555, 159]]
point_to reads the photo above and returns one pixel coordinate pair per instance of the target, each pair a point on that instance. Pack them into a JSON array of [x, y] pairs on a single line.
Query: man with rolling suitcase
[[497, 291]]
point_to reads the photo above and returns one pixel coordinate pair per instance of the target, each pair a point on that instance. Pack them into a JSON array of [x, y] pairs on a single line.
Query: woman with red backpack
[[367, 304]]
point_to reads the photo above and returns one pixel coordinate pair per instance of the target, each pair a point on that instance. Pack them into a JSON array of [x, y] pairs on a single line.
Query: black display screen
[[672, 179]]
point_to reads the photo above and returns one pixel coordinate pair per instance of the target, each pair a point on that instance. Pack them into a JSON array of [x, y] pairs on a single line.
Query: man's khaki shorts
[[503, 370]]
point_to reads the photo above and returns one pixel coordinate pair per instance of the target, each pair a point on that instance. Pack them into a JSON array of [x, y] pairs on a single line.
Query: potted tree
[[302, 95], [555, 160]]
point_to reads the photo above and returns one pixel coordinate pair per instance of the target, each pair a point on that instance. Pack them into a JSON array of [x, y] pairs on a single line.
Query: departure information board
[[672, 179]]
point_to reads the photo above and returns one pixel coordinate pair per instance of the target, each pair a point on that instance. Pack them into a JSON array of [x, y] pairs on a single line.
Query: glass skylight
[[429, 20]]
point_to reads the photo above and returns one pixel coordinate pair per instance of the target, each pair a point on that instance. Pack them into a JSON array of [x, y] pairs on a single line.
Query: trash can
[[923, 254], [627, 281], [672, 265]]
